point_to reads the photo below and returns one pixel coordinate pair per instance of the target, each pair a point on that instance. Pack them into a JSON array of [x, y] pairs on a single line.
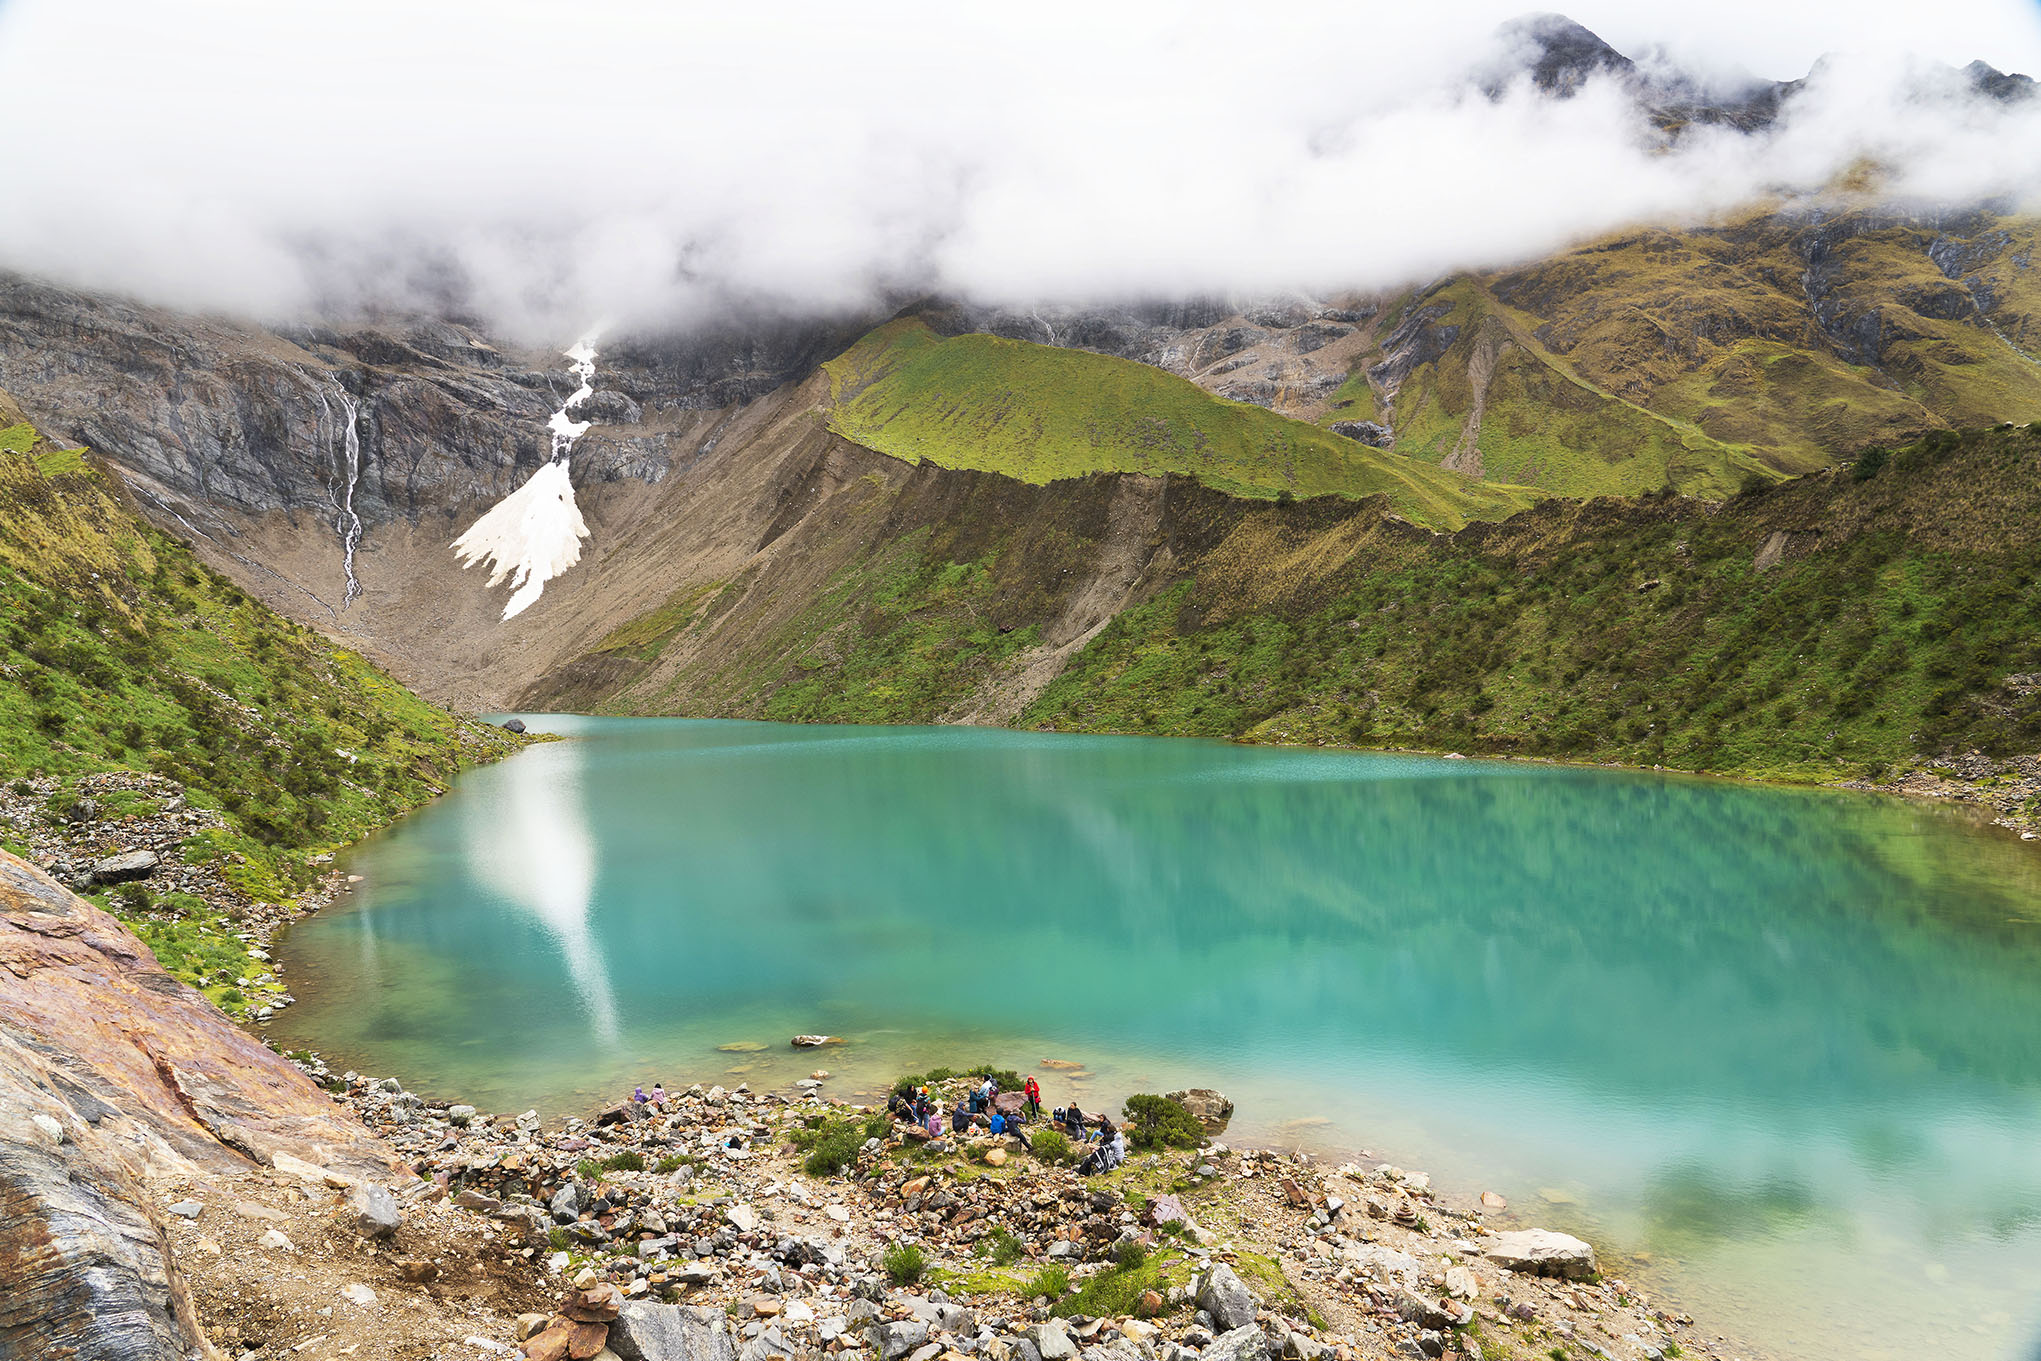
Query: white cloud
[[644, 163]]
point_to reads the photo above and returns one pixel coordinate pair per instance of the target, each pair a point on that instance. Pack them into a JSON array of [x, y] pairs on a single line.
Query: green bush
[[1051, 1282], [904, 1263], [1131, 1255], [1005, 1248], [630, 1160], [833, 1145], [1158, 1122], [1869, 462], [1053, 1148]]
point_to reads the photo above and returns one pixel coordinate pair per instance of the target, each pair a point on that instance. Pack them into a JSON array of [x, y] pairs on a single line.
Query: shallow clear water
[[1779, 1050]]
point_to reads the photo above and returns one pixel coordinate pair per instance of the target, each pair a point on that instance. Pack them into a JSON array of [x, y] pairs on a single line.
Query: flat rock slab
[[119, 869], [1541, 1252]]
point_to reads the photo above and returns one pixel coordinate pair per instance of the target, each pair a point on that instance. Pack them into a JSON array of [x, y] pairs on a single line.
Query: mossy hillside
[[120, 651], [1642, 632], [1543, 425], [1744, 355], [1040, 414]]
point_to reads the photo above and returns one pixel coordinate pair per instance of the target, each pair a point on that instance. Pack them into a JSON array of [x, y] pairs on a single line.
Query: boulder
[[120, 869], [671, 1332], [372, 1211], [513, 725], [1222, 1295], [1239, 1344], [1541, 1252], [1052, 1341], [1210, 1108]]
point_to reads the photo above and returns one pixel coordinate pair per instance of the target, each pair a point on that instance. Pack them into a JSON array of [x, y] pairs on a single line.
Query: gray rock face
[[237, 418], [1371, 433], [372, 1211], [121, 869], [671, 1332], [1541, 1252], [1245, 1343], [566, 1206], [1222, 1295]]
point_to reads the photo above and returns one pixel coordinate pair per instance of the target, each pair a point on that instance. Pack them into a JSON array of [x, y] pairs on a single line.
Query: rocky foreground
[[692, 1232]]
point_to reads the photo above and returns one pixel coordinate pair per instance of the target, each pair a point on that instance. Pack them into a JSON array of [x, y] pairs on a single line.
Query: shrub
[[904, 1263], [1053, 1148], [834, 1144], [630, 1160], [1869, 462], [1159, 1122], [1131, 1254], [1051, 1282], [589, 1170], [1005, 1248]]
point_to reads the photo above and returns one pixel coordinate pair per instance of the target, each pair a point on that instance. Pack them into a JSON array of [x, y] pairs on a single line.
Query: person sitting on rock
[[960, 1118], [997, 1123], [639, 1096], [1073, 1120], [659, 1095], [976, 1099]]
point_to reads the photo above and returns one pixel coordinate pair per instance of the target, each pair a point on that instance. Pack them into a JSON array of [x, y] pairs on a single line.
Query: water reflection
[[529, 843], [1786, 1044]]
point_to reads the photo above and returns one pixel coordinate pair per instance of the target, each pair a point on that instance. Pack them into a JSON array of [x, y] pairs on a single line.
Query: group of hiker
[[984, 1106]]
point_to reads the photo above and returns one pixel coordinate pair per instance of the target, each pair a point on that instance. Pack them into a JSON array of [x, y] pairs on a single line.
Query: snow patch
[[535, 533]]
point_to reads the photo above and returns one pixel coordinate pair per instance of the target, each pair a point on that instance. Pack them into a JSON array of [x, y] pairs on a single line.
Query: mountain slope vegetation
[[120, 651], [1839, 625], [1037, 413], [1706, 359]]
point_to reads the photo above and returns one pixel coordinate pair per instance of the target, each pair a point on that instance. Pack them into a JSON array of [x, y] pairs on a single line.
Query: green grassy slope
[[1700, 360], [1641, 632], [120, 651], [1039, 414]]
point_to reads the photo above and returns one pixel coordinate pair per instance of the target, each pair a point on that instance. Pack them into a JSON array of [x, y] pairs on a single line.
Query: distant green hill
[[1039, 414]]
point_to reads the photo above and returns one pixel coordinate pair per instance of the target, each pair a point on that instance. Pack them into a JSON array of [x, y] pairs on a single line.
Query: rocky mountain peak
[[1561, 55]]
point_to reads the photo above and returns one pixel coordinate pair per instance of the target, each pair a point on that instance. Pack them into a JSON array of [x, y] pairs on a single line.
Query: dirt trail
[[1124, 560]]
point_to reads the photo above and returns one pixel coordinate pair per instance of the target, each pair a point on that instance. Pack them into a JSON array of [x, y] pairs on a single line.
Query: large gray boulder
[[121, 869], [671, 1332], [1230, 1303], [1239, 1344], [372, 1211], [1541, 1252]]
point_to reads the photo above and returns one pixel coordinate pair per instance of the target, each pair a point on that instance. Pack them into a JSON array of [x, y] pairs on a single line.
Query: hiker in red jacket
[[1034, 1094]]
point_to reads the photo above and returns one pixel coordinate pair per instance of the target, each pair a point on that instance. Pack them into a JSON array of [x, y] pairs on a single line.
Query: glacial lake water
[[1777, 1051]]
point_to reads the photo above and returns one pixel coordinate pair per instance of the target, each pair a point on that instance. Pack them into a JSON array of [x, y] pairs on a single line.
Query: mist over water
[[1779, 1050]]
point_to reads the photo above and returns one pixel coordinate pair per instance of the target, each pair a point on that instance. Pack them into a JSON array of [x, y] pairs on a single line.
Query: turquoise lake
[[1778, 1051]]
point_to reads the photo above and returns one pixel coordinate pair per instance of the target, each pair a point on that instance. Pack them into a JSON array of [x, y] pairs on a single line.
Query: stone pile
[[694, 1223]]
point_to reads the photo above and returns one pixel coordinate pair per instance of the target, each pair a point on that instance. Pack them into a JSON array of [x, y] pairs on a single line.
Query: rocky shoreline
[[698, 1232]]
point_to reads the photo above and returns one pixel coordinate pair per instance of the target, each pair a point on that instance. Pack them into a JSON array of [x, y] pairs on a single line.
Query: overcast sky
[[640, 162]]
